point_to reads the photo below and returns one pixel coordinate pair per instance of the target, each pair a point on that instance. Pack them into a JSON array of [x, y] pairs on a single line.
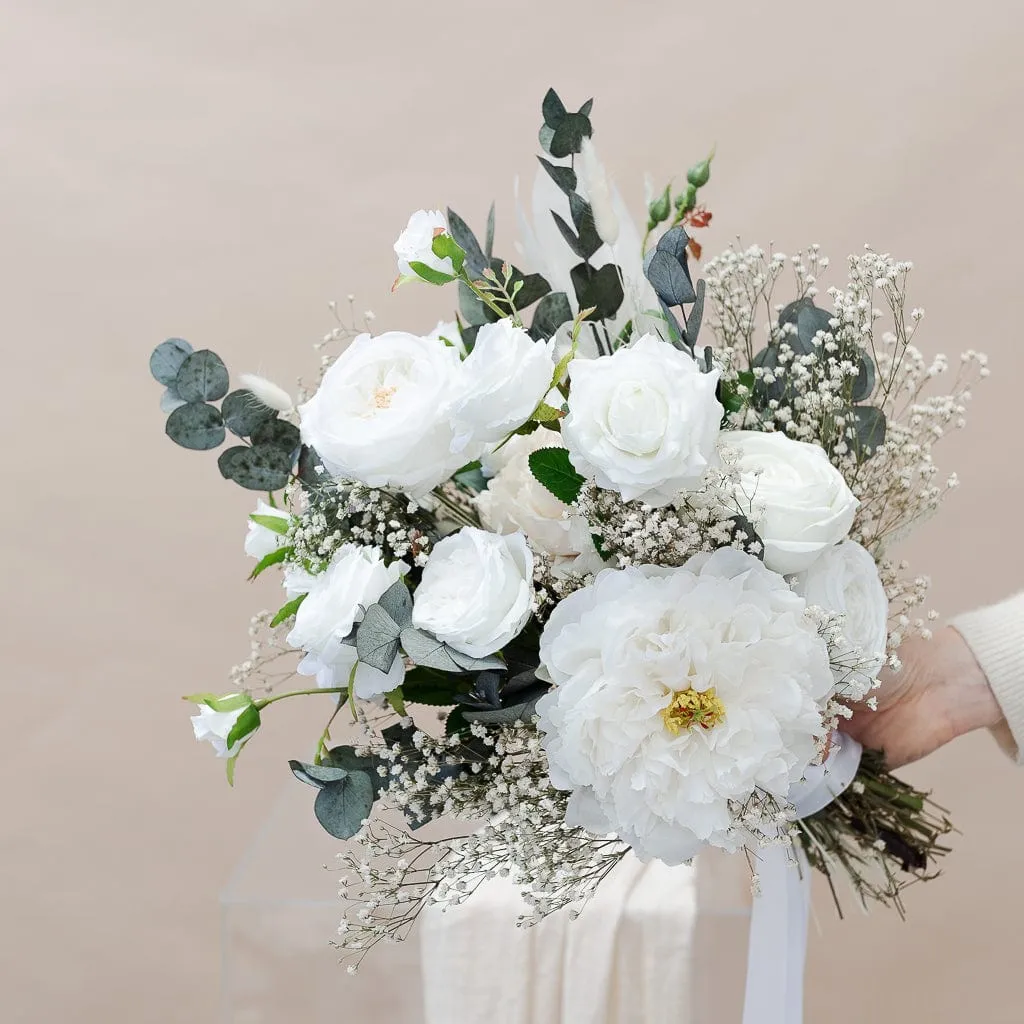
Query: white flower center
[[637, 414]]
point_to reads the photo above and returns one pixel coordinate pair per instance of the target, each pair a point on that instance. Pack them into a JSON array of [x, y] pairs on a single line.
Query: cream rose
[[801, 503], [414, 244], [643, 421], [476, 592]]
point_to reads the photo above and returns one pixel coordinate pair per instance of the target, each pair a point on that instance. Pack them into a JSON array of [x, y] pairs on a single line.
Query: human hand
[[939, 693]]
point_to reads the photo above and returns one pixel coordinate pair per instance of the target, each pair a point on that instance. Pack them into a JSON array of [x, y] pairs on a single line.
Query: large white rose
[[415, 243], [845, 581], [643, 421], [335, 601], [801, 503], [260, 540], [476, 592], [503, 379], [677, 691], [382, 414]]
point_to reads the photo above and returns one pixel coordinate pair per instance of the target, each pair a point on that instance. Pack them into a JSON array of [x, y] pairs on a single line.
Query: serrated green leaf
[[545, 413], [429, 274], [551, 468], [286, 611], [275, 557], [563, 364], [445, 247], [247, 722]]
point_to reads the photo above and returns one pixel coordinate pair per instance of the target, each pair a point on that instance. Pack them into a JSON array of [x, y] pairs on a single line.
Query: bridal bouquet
[[624, 527]]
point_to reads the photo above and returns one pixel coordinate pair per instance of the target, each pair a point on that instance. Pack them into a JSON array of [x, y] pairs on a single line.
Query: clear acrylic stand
[[280, 910]]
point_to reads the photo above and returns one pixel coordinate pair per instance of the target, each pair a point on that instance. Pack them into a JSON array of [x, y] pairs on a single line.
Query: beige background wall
[[219, 170]]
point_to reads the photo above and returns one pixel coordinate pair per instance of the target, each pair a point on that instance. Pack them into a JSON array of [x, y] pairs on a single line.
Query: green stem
[[267, 701]]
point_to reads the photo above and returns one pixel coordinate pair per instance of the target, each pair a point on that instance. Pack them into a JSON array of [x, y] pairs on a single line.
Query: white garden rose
[[801, 503], [676, 692], [261, 541], [845, 581], [382, 413], [643, 421], [476, 592], [214, 727], [335, 602], [447, 332], [415, 243], [503, 379]]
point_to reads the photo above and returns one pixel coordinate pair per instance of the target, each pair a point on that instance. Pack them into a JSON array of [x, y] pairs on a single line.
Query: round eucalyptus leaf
[[170, 400], [167, 357], [243, 412], [864, 382], [260, 468], [203, 377], [341, 807], [868, 429], [317, 774], [279, 434], [196, 425]]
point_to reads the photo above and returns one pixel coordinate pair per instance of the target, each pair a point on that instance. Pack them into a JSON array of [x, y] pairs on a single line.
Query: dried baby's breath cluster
[[271, 661]]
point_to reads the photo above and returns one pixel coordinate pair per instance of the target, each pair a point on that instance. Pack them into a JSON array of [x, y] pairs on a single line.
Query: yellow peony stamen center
[[690, 707], [382, 396]]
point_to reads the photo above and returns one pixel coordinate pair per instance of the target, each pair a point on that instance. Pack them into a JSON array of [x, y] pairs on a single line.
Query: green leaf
[[202, 377], [228, 702], [732, 400], [696, 315], [243, 412], [424, 649], [166, 360], [668, 278], [552, 109], [317, 775], [568, 234], [569, 135], [869, 429], [278, 434], [563, 177], [170, 400], [341, 807], [197, 426], [544, 136], [397, 602], [503, 716], [600, 290], [489, 238], [429, 274], [475, 312], [377, 639], [430, 686], [276, 524], [552, 468], [445, 247], [552, 311], [864, 382], [286, 611], [247, 722], [281, 554], [476, 261], [545, 413], [583, 217], [261, 468]]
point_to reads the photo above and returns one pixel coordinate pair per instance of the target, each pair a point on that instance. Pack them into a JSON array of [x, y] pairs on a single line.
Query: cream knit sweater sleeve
[[996, 636]]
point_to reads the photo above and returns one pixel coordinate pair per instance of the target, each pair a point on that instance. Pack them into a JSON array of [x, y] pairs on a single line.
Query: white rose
[[447, 332], [261, 541], [503, 379], [476, 592], [642, 421], [845, 581], [677, 694], [335, 602], [382, 413], [801, 503], [214, 727], [415, 243]]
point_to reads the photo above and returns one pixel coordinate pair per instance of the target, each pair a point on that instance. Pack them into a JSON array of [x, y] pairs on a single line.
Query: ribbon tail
[[778, 940]]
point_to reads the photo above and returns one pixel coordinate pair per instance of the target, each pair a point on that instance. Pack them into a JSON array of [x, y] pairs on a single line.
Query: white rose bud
[[336, 601], [261, 541], [503, 379], [382, 413], [801, 503], [217, 719], [415, 243], [447, 332], [845, 581], [476, 593], [643, 421]]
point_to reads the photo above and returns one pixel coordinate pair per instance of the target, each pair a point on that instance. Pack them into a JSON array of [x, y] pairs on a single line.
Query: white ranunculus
[[801, 503], [261, 541], [214, 727], [476, 592], [845, 581], [676, 692], [503, 379], [335, 602], [415, 243], [643, 421], [447, 331], [382, 413]]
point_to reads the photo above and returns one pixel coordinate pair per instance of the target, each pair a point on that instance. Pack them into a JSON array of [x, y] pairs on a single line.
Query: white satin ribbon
[[777, 946]]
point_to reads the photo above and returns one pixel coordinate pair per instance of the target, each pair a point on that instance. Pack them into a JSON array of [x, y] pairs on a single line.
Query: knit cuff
[[996, 637]]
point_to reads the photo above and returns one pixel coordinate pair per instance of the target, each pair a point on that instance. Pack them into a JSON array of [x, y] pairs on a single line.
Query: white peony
[[845, 581], [214, 727], [261, 541], [643, 421], [335, 602], [801, 503], [503, 380], [476, 592], [415, 243], [382, 413], [677, 691]]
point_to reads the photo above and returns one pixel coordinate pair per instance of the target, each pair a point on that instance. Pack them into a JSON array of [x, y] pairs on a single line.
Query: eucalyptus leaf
[[397, 602], [166, 360], [586, 108], [668, 278], [869, 429], [808, 320], [696, 315], [567, 233], [485, 692], [544, 136], [503, 716], [552, 311], [260, 468], [243, 412], [476, 261], [170, 400], [202, 377], [534, 286], [317, 774], [599, 289], [278, 434], [864, 382], [674, 242], [341, 807], [583, 217], [347, 758], [424, 649], [569, 135], [564, 177], [196, 425], [552, 108], [552, 468], [377, 639]]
